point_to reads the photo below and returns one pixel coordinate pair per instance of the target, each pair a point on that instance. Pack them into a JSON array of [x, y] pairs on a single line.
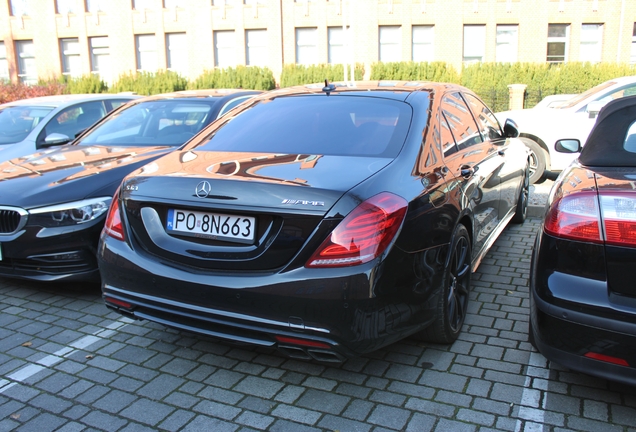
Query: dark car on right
[[583, 273]]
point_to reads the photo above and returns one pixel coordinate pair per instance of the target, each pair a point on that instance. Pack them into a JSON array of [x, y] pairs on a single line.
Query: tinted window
[[460, 121], [74, 119], [320, 124], [166, 122], [486, 120], [16, 122]]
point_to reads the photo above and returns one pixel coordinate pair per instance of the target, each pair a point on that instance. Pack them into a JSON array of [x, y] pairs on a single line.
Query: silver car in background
[[29, 125]]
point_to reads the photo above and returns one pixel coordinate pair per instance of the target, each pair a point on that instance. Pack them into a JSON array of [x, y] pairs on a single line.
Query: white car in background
[[541, 128], [29, 125], [553, 101]]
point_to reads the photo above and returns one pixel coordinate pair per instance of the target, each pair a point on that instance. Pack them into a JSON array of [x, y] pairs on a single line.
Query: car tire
[[452, 304], [521, 211], [538, 160]]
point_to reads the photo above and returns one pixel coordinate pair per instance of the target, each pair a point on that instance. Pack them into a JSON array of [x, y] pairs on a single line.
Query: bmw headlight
[[73, 213]]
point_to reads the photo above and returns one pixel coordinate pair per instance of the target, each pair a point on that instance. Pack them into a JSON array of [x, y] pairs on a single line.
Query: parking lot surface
[[69, 364]]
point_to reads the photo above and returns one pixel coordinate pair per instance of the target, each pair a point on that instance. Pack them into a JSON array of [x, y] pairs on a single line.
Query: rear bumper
[[572, 316], [336, 314]]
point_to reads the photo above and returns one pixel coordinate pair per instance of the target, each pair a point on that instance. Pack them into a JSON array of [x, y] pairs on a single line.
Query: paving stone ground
[[68, 364]]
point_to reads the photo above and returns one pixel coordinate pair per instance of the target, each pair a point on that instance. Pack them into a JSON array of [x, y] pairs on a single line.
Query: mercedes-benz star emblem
[[203, 189]]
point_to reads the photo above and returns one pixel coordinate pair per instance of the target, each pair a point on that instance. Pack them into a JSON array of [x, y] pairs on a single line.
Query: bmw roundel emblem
[[203, 189]]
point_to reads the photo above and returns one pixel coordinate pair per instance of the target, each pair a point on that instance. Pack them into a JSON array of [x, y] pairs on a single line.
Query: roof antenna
[[328, 88]]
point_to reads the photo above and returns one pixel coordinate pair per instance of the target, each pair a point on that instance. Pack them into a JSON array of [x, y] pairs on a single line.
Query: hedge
[[146, 83], [301, 74], [489, 80], [251, 77]]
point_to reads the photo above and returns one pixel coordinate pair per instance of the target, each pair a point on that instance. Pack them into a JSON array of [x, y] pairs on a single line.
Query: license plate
[[212, 225]]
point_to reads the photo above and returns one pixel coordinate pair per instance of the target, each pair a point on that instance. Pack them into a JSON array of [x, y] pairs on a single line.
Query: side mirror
[[510, 129], [55, 139], [593, 108], [568, 146]]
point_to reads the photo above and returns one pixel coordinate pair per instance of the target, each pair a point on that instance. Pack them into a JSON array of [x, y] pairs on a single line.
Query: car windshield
[[588, 94], [316, 124], [164, 122], [17, 121]]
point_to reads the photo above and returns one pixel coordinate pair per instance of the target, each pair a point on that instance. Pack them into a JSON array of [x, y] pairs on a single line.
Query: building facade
[[47, 38]]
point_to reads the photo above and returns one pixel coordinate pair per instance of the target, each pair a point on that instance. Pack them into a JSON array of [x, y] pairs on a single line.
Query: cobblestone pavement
[[69, 364]]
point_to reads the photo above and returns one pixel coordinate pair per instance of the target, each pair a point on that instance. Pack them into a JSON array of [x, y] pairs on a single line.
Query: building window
[[307, 46], [19, 7], [253, 2], [100, 58], [172, 4], [632, 58], [177, 53], [142, 4], [256, 48], [4, 64], [222, 2], [591, 43], [27, 72], [146, 53], [474, 43], [423, 43], [70, 50], [224, 48], [558, 43], [95, 6], [336, 39], [65, 6], [390, 39], [507, 43]]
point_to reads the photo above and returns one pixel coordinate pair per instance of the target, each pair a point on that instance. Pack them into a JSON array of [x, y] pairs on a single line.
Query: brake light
[[579, 216], [114, 226], [364, 234]]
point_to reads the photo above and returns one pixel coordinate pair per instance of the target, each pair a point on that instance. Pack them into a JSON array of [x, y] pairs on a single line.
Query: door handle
[[501, 153]]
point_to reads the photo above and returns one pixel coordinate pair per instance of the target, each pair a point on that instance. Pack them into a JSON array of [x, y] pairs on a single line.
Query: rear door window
[[460, 121], [316, 124]]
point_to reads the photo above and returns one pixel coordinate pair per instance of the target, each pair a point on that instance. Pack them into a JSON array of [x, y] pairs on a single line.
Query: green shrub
[[146, 83], [84, 84], [245, 77], [413, 71], [300, 74]]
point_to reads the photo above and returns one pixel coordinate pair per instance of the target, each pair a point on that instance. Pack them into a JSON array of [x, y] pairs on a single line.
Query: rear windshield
[[316, 124], [165, 122], [16, 122]]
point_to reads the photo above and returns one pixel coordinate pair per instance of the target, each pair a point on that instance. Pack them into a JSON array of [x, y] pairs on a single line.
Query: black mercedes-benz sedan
[[582, 281], [326, 220], [53, 203]]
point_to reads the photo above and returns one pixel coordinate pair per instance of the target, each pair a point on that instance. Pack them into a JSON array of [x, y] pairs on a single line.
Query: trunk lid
[[284, 199]]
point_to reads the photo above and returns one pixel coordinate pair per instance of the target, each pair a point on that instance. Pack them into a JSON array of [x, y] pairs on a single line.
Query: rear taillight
[[114, 226], [580, 216], [364, 234], [618, 211]]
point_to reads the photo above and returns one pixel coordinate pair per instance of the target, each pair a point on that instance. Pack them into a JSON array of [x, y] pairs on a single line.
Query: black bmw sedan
[[582, 281], [326, 221], [53, 203]]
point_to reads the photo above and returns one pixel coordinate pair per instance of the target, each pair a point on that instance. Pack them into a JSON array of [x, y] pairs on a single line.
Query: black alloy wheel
[[521, 210], [453, 301]]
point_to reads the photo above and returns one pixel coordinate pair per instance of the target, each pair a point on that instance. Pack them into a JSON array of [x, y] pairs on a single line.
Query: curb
[[536, 211]]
